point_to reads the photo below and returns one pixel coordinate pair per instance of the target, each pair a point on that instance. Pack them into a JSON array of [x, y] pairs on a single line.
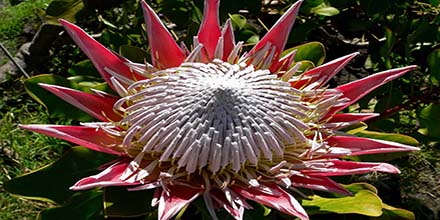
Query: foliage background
[[387, 34]]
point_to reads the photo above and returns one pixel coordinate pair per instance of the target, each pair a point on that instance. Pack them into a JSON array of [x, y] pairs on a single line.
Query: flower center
[[215, 116]]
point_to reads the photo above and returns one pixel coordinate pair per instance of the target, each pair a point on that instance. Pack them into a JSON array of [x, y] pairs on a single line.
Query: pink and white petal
[[362, 146], [101, 57], [174, 198], [92, 138], [165, 52], [342, 168], [278, 34], [359, 88], [321, 183], [282, 201], [209, 31], [108, 177], [320, 75], [100, 107], [228, 39]]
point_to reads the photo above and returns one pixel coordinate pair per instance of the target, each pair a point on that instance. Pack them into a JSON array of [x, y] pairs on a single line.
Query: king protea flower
[[215, 123]]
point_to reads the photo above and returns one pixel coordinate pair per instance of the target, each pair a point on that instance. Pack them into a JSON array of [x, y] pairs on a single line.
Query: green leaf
[[356, 187], [400, 138], [119, 202], [52, 182], [313, 51], [433, 60], [238, 21], [429, 119], [364, 202], [133, 53], [84, 67], [86, 205], [325, 10], [63, 9], [392, 213]]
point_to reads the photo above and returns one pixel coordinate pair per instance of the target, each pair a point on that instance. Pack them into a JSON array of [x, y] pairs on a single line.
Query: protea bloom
[[213, 123]]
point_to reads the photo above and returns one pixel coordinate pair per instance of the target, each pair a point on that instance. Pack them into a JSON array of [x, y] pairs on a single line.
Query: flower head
[[217, 123]]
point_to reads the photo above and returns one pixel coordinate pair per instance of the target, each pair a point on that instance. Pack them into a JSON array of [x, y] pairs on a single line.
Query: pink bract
[[215, 124]]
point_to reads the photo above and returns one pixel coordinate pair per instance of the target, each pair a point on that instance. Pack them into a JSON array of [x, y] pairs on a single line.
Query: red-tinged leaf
[[322, 74], [351, 117], [174, 198], [281, 200], [100, 56], [209, 31], [342, 168], [92, 138], [359, 88], [228, 39], [165, 52], [321, 183], [98, 106], [361, 146], [279, 33], [108, 177]]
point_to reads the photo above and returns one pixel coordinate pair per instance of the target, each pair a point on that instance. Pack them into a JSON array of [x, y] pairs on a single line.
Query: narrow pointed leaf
[[279, 33], [92, 138], [361, 146], [209, 31], [280, 200], [174, 199], [165, 52], [100, 107], [100, 56], [342, 168]]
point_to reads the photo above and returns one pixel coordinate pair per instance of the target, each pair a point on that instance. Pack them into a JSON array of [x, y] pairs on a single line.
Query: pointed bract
[[359, 88], [209, 31], [228, 39], [362, 146], [100, 56], [165, 52], [351, 117], [280, 199], [278, 34], [92, 138], [109, 177], [174, 198], [342, 168], [321, 183], [98, 106], [322, 74]]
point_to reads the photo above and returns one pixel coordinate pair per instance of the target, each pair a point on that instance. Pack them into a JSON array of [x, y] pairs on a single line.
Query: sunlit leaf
[[313, 51], [364, 202]]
